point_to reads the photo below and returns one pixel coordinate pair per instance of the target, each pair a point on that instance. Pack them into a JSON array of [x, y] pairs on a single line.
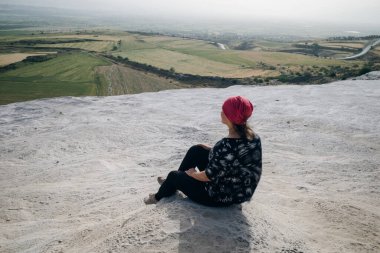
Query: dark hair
[[244, 131]]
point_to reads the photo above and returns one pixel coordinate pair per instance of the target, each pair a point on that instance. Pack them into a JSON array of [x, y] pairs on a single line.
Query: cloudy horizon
[[323, 11]]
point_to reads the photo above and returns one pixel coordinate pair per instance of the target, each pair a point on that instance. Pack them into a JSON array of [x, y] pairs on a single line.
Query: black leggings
[[196, 156]]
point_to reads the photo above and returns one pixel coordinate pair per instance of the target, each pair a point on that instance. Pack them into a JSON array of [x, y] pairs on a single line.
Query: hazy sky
[[337, 11]]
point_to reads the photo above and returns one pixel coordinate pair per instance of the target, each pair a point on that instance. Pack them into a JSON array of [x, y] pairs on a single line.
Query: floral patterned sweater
[[234, 169]]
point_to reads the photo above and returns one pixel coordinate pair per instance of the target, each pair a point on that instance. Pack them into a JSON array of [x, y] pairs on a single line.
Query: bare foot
[[151, 199], [160, 180]]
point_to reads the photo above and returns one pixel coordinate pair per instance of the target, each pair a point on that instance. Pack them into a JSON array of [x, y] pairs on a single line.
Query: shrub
[[38, 58], [364, 70]]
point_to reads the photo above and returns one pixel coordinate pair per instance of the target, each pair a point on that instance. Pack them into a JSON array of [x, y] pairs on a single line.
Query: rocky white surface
[[74, 171], [374, 75]]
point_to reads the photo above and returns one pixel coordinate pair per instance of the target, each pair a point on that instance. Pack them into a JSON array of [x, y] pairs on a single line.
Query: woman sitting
[[228, 173]]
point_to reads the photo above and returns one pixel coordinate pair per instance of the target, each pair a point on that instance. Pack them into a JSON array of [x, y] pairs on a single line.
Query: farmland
[[116, 62]]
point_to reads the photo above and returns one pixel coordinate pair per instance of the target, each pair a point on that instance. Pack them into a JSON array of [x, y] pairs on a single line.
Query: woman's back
[[234, 169]]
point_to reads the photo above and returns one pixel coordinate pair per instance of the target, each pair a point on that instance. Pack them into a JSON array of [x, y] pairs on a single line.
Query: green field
[[66, 75]]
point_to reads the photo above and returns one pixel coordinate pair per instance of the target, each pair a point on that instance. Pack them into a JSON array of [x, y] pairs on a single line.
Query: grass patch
[[65, 75]]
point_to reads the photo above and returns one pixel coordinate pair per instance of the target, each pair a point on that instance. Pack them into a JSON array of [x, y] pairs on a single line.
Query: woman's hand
[[205, 146], [200, 176], [190, 172]]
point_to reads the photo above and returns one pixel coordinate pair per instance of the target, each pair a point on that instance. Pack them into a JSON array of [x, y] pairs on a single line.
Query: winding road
[[363, 52]]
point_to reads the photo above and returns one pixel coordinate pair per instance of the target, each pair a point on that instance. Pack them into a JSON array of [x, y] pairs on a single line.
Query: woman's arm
[[200, 176]]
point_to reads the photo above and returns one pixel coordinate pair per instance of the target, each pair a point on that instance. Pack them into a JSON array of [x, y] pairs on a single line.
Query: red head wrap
[[237, 109]]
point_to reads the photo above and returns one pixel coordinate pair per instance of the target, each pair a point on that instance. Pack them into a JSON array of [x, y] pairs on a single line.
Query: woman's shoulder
[[255, 142], [256, 137], [235, 142]]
